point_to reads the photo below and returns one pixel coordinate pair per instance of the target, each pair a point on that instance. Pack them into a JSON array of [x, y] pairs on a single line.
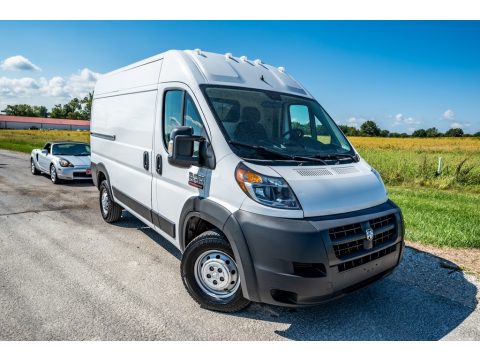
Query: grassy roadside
[[26, 140], [439, 217]]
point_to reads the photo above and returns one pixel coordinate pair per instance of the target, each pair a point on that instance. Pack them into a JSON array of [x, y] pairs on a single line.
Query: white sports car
[[62, 161]]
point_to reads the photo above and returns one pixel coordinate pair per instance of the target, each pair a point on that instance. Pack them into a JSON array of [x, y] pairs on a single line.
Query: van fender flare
[[96, 168], [224, 220]]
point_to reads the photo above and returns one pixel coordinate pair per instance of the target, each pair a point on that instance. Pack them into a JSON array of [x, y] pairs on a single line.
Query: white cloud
[[80, 84], [53, 87], [75, 85], [401, 119], [354, 121], [448, 115], [18, 87], [456, 125], [18, 62]]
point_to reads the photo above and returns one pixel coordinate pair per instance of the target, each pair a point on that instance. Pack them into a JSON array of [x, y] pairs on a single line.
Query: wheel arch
[[216, 216], [99, 173]]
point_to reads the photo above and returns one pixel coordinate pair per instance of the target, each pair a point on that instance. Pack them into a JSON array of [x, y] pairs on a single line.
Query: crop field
[[26, 140], [439, 209], [414, 161]]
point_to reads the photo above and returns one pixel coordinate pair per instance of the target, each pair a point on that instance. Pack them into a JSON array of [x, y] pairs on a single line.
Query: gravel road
[[65, 274]]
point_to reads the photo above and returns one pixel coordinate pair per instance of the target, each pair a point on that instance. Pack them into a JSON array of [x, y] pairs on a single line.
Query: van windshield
[[269, 125]]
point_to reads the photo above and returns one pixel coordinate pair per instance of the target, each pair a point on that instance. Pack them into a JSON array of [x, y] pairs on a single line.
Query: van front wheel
[[210, 273]]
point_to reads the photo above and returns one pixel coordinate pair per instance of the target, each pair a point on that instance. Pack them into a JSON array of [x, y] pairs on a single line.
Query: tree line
[[370, 128], [75, 109]]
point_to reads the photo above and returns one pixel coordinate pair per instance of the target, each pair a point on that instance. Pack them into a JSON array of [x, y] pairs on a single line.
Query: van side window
[[300, 119], [180, 110], [172, 116], [192, 118]]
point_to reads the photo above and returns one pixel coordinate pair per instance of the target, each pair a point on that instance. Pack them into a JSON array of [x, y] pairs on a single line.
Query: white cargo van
[[236, 164]]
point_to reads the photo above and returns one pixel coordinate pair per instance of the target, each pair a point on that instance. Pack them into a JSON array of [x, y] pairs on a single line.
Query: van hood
[[76, 160], [336, 189]]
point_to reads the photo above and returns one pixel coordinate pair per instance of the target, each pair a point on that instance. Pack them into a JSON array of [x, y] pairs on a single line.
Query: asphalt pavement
[[65, 274]]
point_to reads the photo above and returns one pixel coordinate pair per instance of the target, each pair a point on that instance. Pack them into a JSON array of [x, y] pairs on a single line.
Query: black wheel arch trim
[[224, 220], [96, 168]]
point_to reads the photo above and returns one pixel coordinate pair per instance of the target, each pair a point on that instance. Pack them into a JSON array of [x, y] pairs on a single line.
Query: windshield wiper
[[261, 148], [278, 153], [337, 157]]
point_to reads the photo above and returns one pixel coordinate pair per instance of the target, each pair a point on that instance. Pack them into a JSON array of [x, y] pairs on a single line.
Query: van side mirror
[[45, 152], [182, 145]]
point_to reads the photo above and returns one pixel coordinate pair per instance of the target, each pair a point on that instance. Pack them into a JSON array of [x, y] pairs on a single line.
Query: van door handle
[[145, 160], [158, 165]]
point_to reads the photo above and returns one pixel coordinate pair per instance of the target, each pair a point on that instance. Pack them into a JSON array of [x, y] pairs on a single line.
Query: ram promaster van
[[236, 164]]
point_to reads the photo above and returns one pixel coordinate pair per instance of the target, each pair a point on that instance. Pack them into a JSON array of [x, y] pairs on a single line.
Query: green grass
[[27, 140], [439, 217], [418, 168]]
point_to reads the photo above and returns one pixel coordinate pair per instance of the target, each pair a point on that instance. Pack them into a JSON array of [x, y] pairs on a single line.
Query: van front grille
[[366, 259], [350, 240]]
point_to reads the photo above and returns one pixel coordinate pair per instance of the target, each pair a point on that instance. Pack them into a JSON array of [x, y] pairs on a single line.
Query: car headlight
[[266, 190], [65, 163]]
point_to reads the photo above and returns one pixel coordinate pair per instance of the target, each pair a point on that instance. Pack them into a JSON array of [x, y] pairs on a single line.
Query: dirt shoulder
[[467, 259]]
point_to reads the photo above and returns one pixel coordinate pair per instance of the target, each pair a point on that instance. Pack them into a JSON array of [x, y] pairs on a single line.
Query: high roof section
[[194, 67], [227, 69]]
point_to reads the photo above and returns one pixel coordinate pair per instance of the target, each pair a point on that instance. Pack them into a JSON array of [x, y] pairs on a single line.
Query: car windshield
[[73, 149], [269, 125]]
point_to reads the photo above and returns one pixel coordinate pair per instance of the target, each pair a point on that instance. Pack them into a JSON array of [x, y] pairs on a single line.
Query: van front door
[[173, 186]]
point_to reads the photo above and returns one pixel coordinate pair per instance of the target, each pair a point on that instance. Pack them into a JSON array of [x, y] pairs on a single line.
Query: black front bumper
[[299, 261]]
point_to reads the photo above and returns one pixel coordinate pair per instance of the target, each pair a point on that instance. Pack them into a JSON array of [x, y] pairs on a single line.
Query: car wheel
[[110, 210], [53, 175], [210, 273], [33, 168]]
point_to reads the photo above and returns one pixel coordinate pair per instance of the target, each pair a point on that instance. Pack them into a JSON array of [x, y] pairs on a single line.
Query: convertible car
[[62, 161]]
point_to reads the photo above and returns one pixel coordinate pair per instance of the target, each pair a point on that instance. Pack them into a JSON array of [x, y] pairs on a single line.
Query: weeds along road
[[66, 274]]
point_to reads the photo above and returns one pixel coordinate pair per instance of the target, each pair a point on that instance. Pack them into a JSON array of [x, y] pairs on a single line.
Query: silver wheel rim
[[105, 202], [33, 167], [53, 173], [216, 274]]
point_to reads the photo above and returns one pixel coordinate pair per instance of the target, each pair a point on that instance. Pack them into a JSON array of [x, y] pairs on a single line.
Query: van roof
[[195, 67]]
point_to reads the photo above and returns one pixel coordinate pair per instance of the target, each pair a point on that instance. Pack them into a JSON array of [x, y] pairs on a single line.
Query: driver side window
[[180, 110], [300, 119]]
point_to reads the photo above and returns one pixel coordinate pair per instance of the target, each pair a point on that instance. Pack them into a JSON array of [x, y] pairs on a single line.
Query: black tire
[[33, 167], [53, 175], [113, 211], [207, 241]]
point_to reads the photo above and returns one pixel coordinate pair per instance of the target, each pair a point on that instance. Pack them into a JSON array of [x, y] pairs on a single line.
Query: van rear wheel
[[210, 273], [111, 211]]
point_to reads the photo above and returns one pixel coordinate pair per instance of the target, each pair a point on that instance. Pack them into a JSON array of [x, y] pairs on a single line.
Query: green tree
[[370, 128], [455, 132], [349, 130], [384, 133], [420, 133], [477, 134], [26, 110], [433, 132]]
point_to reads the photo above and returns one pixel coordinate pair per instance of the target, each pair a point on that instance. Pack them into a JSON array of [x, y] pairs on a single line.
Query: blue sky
[[404, 75]]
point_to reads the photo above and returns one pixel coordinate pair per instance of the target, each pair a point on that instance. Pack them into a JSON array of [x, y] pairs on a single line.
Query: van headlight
[[65, 163], [266, 190]]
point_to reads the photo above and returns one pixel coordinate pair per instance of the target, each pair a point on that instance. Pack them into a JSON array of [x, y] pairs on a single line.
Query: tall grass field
[[440, 208]]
